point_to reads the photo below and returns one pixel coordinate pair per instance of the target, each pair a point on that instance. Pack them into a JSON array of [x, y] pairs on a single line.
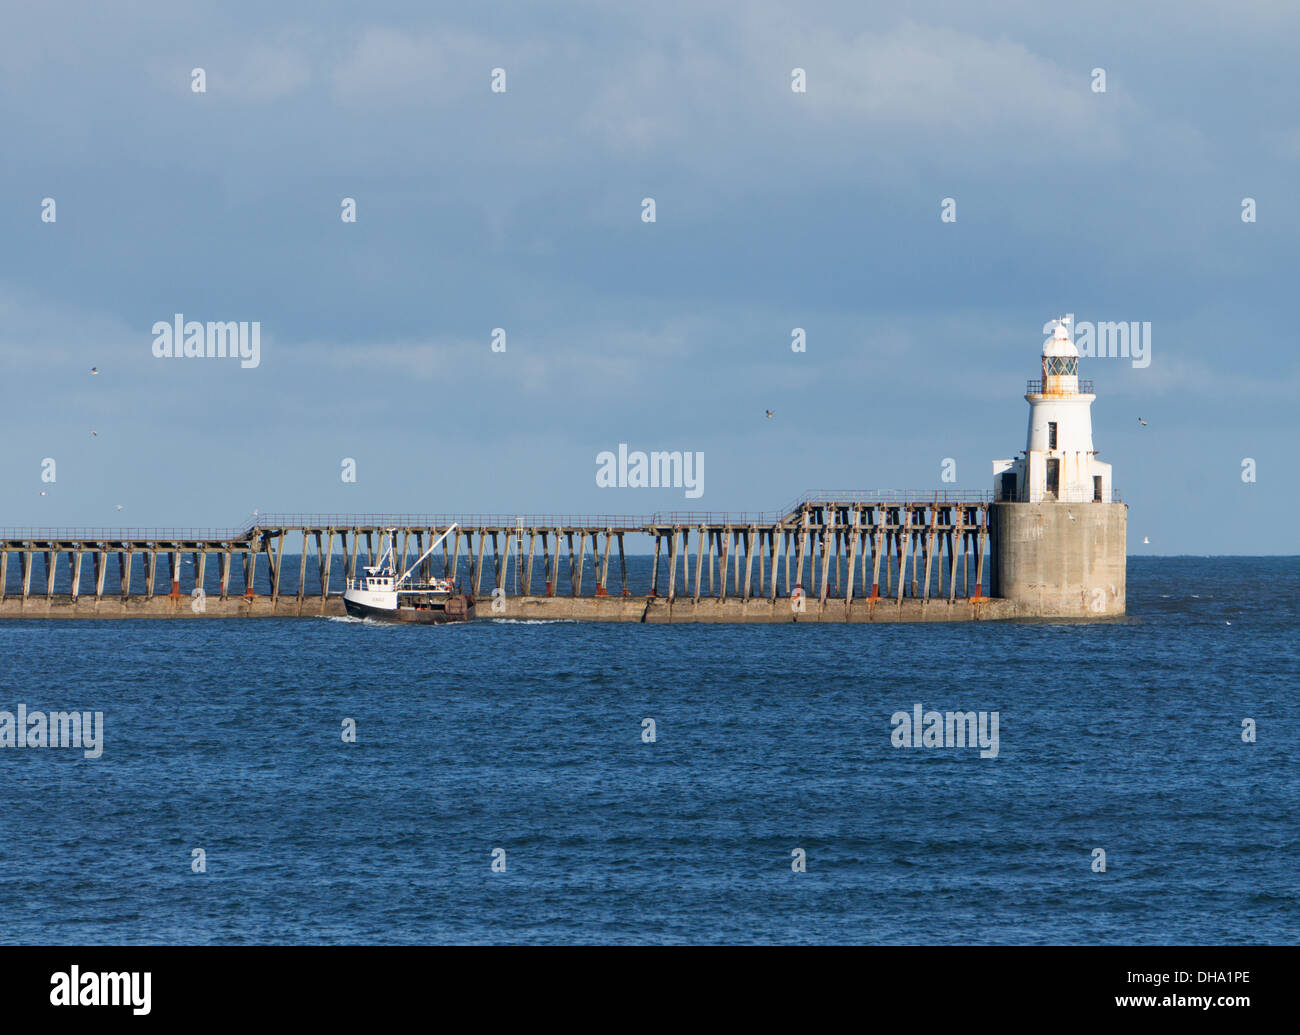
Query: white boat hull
[[426, 610]]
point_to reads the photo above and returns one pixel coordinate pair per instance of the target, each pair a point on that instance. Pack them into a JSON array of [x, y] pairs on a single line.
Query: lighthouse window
[[1067, 366], [1051, 434], [1053, 477]]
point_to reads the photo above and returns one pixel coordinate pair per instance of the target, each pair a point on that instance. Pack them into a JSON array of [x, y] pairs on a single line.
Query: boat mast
[[406, 574], [388, 550]]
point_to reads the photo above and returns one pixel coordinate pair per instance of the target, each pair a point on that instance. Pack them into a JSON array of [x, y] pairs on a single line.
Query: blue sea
[[226, 737]]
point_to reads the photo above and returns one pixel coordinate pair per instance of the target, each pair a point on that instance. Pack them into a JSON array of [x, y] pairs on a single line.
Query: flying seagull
[[94, 370], [1142, 422], [93, 431], [769, 414], [42, 492], [119, 506]]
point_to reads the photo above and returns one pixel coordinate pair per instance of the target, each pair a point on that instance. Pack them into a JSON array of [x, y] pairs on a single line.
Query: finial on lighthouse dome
[[1060, 343]]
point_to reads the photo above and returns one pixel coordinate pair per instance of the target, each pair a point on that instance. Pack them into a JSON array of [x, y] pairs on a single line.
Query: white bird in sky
[[1142, 422], [1146, 541], [119, 506], [94, 370], [94, 432], [769, 414], [42, 492]]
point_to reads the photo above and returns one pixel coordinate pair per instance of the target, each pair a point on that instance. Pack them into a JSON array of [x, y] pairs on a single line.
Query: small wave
[[530, 621]]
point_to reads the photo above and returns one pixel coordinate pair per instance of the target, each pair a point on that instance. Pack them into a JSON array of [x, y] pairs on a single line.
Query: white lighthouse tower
[[1058, 463], [1058, 533]]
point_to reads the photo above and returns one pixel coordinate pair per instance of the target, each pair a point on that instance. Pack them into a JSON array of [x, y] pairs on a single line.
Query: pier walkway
[[922, 549]]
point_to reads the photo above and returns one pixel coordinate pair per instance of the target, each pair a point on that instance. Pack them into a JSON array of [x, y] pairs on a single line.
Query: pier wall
[[64, 606], [1060, 560], [659, 610], [656, 610]]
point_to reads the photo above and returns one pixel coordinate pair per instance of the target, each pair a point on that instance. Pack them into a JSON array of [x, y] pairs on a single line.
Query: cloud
[[1286, 143], [264, 73], [900, 93], [391, 67], [587, 359], [939, 80]]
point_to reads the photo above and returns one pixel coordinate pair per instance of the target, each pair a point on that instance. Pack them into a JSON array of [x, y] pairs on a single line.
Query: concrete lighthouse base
[[1060, 560]]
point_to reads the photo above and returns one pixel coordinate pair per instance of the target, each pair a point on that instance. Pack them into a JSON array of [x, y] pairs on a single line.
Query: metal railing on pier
[[629, 522], [116, 535]]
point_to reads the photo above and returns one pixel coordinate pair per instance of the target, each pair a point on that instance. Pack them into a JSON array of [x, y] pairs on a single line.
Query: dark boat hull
[[458, 608]]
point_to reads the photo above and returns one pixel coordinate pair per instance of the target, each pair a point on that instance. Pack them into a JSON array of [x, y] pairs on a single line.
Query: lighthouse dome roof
[[1060, 344]]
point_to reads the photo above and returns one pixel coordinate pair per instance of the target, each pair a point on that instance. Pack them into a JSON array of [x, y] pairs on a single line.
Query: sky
[[523, 210]]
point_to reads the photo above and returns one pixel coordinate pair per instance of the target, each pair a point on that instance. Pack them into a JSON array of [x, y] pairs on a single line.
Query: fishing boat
[[382, 593]]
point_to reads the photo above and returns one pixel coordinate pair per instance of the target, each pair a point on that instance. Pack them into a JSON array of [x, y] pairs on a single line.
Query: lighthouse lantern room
[[1058, 463]]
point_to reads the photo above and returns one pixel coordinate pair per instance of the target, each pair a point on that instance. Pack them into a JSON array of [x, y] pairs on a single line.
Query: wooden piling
[[672, 565], [654, 570], [750, 540], [528, 570], [478, 562]]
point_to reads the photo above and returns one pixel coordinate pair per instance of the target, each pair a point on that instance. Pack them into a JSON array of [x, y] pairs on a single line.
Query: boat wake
[[529, 621]]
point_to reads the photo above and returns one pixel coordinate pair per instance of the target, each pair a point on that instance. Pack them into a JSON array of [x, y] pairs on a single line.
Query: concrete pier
[[657, 610], [841, 555], [830, 556]]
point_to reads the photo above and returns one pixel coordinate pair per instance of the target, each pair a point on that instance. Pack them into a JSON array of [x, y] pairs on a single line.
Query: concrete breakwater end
[[658, 610]]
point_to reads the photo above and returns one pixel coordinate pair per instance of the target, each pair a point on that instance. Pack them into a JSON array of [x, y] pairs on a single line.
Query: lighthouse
[[1059, 534], [1058, 463]]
